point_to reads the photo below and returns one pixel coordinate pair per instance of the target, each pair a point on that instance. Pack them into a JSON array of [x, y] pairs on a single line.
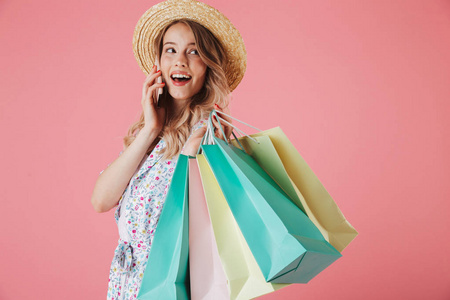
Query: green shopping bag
[[165, 276], [278, 157], [287, 246], [243, 275]]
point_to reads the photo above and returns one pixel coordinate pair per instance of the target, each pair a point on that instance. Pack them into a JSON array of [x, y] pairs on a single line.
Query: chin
[[180, 97]]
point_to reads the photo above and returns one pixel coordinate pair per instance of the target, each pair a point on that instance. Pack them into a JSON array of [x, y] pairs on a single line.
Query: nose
[[181, 60]]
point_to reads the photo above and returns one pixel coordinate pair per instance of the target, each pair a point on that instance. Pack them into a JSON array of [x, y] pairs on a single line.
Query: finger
[[228, 131], [155, 81], [149, 95], [225, 110], [152, 88], [227, 128], [215, 124], [150, 80], [153, 71], [154, 91], [151, 77], [218, 132]]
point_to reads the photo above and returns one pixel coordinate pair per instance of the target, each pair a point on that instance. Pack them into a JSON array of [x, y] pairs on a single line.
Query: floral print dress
[[137, 216]]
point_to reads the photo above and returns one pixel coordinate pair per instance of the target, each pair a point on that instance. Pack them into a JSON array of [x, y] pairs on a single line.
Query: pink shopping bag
[[208, 279]]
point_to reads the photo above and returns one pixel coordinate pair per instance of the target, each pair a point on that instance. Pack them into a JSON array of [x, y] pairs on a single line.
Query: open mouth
[[181, 78]]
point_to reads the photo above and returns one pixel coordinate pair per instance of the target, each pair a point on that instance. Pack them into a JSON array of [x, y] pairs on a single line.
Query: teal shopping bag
[[287, 246], [165, 276], [273, 151]]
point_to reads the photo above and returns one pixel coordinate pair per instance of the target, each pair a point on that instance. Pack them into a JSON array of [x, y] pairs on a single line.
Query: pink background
[[362, 88]]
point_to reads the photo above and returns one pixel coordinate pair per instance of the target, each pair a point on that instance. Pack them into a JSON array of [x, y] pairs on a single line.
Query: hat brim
[[160, 15]]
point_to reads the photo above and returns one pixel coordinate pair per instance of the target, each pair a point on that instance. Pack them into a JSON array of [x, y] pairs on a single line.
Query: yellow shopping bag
[[280, 159]]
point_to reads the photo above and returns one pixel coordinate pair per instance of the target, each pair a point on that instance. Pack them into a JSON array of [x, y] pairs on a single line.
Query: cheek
[[165, 69], [202, 72], [200, 82], [164, 63], [203, 79], [199, 66]]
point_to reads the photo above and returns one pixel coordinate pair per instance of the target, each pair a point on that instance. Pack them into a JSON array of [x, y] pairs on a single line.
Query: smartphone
[[158, 80]]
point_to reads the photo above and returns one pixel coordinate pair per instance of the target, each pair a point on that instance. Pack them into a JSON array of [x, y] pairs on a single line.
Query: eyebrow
[[176, 43]]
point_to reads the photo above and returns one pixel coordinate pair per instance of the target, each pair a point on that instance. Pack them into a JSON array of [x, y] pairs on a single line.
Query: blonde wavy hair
[[215, 90]]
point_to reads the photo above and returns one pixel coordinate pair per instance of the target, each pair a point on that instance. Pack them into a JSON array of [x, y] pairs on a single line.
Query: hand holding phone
[[158, 80]]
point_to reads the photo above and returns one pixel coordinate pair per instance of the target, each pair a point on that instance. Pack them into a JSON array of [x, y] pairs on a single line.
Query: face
[[182, 68]]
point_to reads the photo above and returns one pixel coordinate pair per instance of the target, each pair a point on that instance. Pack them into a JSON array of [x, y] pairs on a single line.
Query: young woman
[[199, 67]]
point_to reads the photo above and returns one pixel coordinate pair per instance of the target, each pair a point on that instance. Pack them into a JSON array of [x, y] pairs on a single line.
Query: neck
[[178, 106]]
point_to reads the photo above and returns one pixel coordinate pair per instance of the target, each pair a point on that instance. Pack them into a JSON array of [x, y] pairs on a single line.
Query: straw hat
[[162, 14]]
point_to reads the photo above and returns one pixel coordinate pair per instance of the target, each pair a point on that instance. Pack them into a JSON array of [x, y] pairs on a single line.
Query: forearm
[[112, 182]]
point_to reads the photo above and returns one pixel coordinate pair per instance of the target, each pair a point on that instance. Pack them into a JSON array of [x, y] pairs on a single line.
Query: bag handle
[[208, 137], [242, 122], [241, 133]]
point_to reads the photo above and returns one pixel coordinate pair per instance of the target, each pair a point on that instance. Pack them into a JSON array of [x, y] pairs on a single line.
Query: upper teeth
[[180, 76]]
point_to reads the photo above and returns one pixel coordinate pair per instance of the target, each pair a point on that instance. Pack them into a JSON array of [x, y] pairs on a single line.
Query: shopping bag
[[245, 279], [166, 275], [207, 276], [286, 244], [278, 157]]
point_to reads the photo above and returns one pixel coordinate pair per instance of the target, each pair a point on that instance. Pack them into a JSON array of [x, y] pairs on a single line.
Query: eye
[[170, 50], [193, 51]]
